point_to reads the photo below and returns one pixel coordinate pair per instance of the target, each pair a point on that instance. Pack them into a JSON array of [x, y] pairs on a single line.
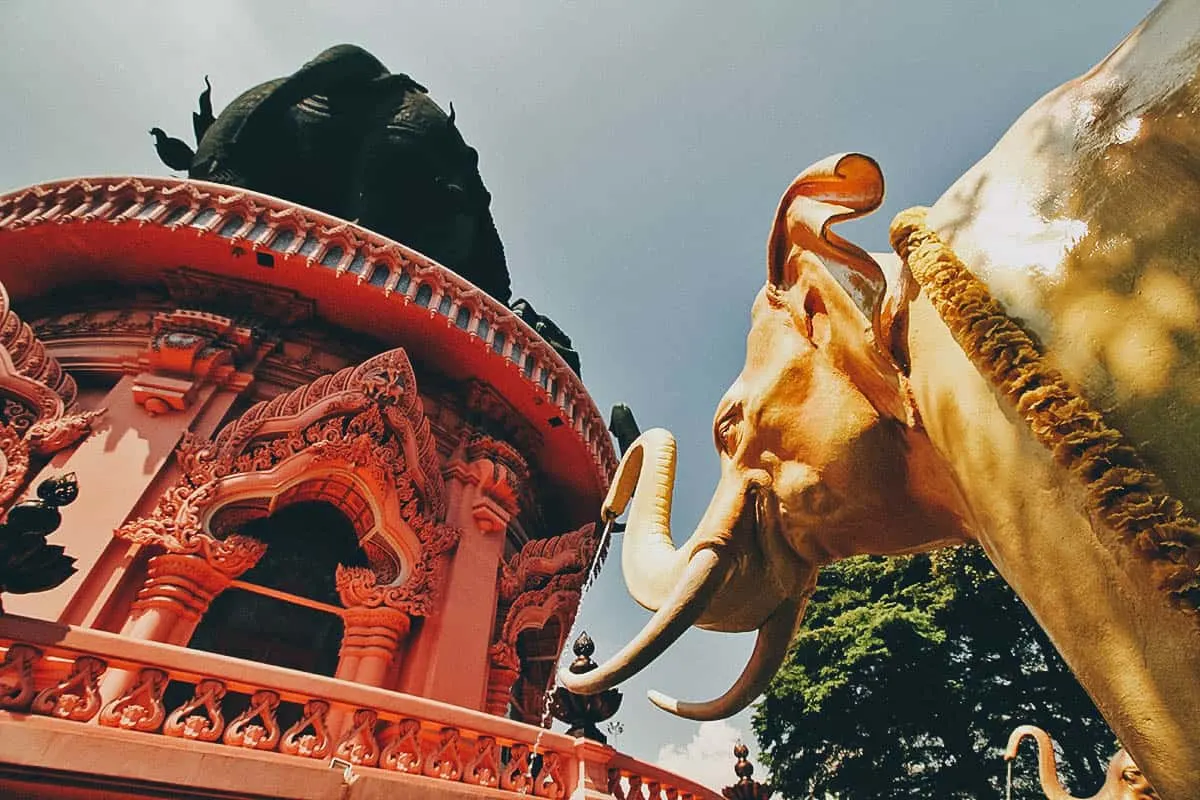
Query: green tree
[[906, 680]]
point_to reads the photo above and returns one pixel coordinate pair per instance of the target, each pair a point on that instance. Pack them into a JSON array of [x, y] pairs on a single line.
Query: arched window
[[538, 649], [283, 611]]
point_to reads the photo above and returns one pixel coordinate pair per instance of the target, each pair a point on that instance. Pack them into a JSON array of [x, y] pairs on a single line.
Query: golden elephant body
[[1026, 377]]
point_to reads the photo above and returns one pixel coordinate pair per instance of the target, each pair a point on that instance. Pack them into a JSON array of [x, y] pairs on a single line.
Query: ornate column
[[376, 622], [181, 586], [451, 662], [504, 669]]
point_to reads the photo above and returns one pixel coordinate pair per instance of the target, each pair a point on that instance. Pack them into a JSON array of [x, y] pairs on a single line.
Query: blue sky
[[635, 153]]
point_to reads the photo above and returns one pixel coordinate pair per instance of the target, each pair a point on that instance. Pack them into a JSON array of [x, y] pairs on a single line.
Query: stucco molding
[[246, 223]]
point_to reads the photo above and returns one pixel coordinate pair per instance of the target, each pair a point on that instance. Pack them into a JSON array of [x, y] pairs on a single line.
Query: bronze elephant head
[[345, 136]]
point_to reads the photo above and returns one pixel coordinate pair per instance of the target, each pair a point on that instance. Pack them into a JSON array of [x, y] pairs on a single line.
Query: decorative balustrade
[[67, 673], [630, 779], [271, 228]]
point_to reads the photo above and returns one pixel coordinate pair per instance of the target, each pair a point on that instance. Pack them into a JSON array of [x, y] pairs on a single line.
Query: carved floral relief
[[367, 420]]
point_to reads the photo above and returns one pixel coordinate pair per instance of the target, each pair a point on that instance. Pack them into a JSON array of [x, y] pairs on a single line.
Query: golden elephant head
[[1123, 781], [820, 458]]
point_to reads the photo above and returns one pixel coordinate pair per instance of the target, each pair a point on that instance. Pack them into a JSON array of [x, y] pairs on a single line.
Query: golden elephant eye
[[727, 438], [726, 432]]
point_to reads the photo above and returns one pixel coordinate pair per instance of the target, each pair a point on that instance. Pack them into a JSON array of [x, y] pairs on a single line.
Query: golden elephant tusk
[[704, 573], [770, 650]]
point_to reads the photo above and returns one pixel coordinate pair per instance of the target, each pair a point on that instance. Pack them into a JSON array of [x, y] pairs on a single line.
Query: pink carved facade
[[335, 508]]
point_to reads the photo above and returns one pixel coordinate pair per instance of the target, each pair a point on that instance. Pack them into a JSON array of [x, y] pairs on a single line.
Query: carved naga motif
[[37, 403], [359, 745], [309, 745], [541, 581], [515, 776], [76, 697], [16, 676], [359, 587], [444, 761], [142, 708], [558, 598], [207, 727], [484, 767], [531, 610], [404, 753], [541, 559], [263, 735], [550, 781], [376, 401]]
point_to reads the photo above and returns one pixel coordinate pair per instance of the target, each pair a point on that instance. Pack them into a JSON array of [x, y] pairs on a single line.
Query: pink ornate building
[[336, 509]]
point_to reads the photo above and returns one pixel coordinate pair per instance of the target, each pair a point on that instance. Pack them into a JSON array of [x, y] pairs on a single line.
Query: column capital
[[186, 583], [490, 516], [492, 469], [358, 588], [377, 618], [232, 555]]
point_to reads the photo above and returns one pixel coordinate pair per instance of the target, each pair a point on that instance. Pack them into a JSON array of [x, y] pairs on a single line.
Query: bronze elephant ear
[[838, 188]]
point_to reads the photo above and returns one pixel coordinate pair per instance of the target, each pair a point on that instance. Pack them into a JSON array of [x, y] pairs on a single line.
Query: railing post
[[593, 759]]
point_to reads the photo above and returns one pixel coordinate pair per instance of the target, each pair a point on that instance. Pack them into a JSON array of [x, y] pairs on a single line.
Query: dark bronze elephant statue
[[345, 136]]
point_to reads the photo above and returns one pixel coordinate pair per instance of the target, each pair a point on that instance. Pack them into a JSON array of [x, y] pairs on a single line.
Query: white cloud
[[708, 757]]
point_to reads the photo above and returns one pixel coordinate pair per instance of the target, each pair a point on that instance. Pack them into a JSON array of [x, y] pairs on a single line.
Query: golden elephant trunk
[[702, 576], [1047, 764], [651, 564], [676, 584], [714, 580]]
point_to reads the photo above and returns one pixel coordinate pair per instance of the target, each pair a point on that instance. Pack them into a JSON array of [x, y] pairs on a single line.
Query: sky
[[635, 153]]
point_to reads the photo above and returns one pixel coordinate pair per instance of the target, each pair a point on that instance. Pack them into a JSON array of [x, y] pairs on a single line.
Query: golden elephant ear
[[834, 189]]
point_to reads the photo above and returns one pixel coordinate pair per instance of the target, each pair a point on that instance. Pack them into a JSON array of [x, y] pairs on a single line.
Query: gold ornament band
[[1121, 490]]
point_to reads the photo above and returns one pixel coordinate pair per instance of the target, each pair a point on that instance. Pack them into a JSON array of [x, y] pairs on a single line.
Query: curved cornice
[[131, 230]]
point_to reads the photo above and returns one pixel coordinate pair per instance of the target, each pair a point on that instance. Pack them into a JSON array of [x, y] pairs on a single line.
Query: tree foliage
[[906, 680]]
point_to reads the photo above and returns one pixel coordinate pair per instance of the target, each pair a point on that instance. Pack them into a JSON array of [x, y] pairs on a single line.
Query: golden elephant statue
[[1123, 780], [1023, 373]]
